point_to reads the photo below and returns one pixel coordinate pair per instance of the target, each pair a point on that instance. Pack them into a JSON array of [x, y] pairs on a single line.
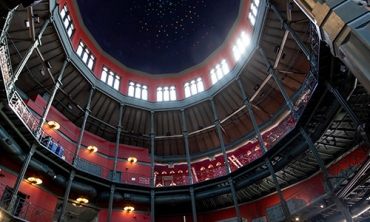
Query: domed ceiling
[[159, 36]]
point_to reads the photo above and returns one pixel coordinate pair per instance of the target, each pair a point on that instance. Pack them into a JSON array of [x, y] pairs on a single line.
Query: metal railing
[[23, 208]]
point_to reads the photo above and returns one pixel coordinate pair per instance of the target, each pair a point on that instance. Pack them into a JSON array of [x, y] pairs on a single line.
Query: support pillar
[[235, 199], [152, 205], [319, 161], [284, 205], [342, 206], [51, 99], [110, 206], [255, 125], [278, 83], [87, 112], [344, 103], [152, 137], [329, 186], [193, 206], [185, 134], [219, 132], [118, 135], [20, 178], [66, 196]]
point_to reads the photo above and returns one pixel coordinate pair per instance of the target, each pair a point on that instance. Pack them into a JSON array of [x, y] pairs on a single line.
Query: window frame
[[106, 73], [193, 87], [66, 17], [85, 54], [138, 90], [161, 93]]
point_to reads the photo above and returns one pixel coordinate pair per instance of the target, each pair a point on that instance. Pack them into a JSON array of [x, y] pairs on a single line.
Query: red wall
[[37, 196]]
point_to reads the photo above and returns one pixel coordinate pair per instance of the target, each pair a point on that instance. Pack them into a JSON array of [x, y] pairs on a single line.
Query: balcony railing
[[23, 208], [63, 148]]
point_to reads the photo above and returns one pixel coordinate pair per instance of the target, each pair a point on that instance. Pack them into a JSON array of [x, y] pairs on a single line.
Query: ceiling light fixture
[[53, 125], [92, 149], [132, 159], [34, 180], [129, 208], [82, 200]]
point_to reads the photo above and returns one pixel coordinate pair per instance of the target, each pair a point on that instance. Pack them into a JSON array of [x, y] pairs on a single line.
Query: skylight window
[[241, 44], [253, 11], [193, 87], [67, 21], [86, 55], [110, 78], [219, 71], [138, 90], [166, 93]]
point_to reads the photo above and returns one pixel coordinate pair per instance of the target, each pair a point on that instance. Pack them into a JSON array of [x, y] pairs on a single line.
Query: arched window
[[166, 93], [110, 78], [67, 21], [85, 54], [193, 87], [138, 90]]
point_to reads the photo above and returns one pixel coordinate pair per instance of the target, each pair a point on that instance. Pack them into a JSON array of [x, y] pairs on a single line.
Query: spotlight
[[256, 87], [129, 208], [92, 149], [34, 180], [53, 125], [132, 159]]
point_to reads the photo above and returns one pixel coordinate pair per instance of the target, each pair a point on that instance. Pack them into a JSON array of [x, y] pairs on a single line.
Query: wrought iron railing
[[23, 208]]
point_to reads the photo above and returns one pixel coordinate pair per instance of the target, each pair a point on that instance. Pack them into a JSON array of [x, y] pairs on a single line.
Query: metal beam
[[219, 132], [185, 134], [278, 83]]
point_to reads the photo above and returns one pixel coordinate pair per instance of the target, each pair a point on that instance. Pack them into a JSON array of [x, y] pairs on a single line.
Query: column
[[66, 196], [152, 205], [110, 206], [278, 83], [51, 99], [329, 186], [255, 126], [87, 112], [284, 205], [152, 137], [235, 199], [185, 134], [119, 128], [193, 206], [219, 132], [20, 178], [344, 103]]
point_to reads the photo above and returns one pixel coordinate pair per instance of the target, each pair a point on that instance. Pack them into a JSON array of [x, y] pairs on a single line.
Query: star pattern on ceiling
[[159, 36]]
